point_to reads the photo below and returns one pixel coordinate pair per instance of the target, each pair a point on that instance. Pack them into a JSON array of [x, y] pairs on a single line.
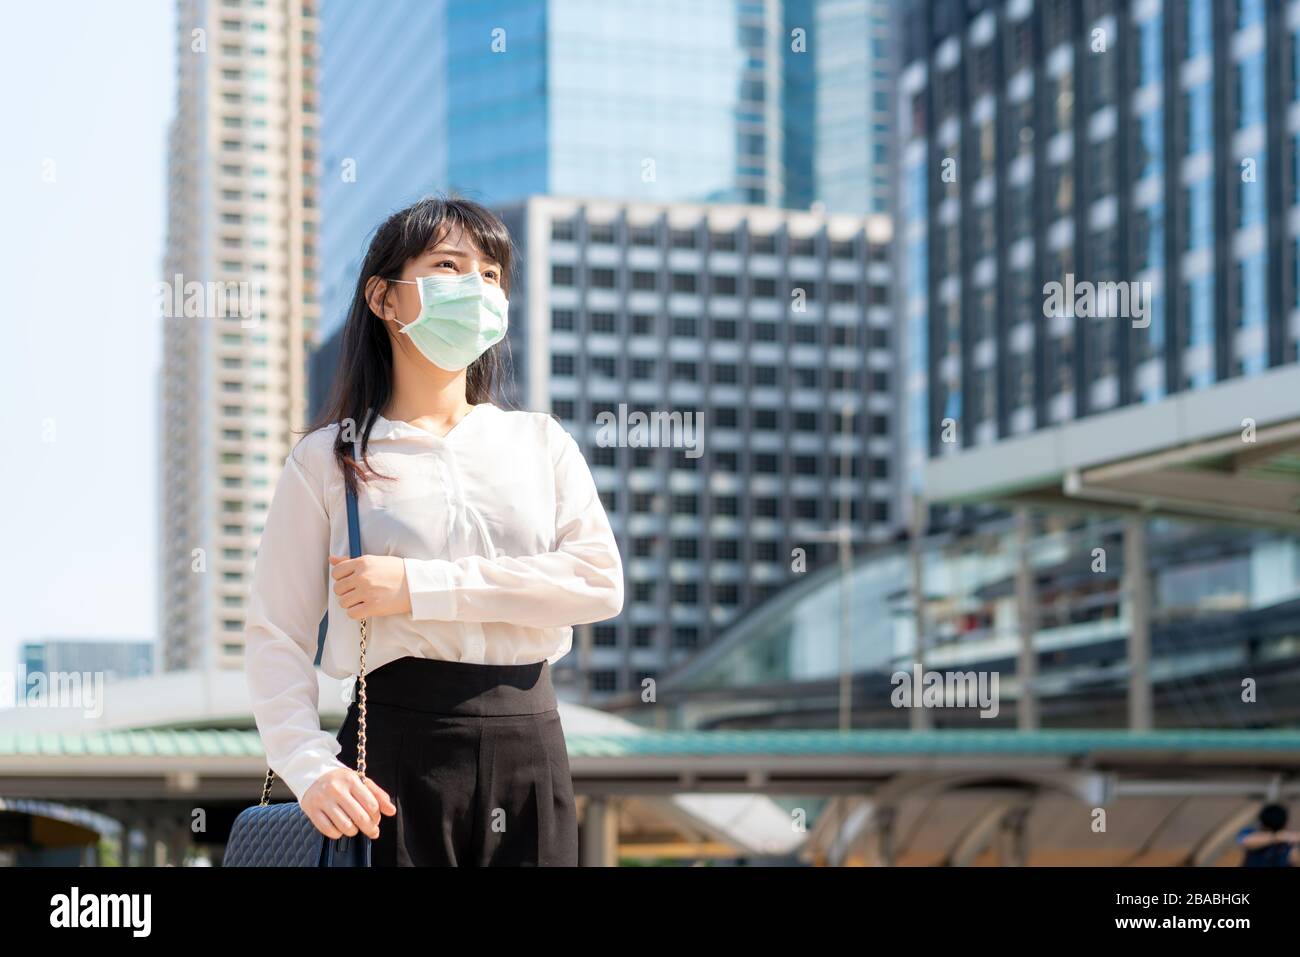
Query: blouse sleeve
[[287, 600], [578, 582]]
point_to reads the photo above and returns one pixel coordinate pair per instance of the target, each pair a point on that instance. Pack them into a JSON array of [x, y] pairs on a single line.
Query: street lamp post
[[844, 535]]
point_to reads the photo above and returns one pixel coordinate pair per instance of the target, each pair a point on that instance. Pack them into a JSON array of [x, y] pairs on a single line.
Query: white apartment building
[[241, 271]]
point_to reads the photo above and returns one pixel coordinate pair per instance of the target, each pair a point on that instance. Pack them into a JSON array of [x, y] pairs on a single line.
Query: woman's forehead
[[456, 240]]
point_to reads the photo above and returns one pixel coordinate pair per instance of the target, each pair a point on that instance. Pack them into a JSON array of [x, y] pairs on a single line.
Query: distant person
[[1270, 844]]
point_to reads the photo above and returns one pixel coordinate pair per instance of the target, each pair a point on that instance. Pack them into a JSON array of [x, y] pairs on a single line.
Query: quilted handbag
[[282, 835]]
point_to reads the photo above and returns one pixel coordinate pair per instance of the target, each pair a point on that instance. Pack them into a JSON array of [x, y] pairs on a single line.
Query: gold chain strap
[[361, 723], [361, 698]]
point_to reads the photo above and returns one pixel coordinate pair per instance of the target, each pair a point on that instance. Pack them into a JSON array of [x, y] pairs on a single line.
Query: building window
[[686, 637], [643, 236], [601, 278], [722, 286], [724, 329], [644, 280]]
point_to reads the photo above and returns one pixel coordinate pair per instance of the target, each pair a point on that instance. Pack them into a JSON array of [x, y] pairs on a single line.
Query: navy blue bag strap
[[354, 551], [354, 526]]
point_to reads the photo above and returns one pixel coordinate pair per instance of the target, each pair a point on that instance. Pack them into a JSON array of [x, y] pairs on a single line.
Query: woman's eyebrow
[[441, 250]]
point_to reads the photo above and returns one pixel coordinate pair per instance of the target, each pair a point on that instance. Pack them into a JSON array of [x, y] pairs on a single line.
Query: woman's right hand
[[342, 802]]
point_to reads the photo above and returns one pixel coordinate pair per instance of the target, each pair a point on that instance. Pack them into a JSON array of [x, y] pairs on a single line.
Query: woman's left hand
[[371, 585]]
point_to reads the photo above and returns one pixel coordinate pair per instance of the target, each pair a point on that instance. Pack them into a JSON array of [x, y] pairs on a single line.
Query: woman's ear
[[377, 298]]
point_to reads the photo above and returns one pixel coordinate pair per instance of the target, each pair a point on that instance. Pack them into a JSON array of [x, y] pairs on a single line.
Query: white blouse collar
[[398, 428]]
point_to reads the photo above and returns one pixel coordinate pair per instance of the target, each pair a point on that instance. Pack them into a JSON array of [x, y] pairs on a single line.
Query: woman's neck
[[427, 393]]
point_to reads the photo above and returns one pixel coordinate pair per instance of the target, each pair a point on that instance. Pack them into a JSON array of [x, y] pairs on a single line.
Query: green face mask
[[461, 317]]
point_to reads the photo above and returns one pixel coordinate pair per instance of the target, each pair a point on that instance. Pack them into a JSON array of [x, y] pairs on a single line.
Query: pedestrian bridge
[[821, 797]]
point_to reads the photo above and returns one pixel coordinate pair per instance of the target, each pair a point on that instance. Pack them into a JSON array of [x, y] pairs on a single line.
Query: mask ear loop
[[411, 282]]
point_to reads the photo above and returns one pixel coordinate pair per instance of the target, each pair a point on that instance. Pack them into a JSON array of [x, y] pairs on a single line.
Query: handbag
[[282, 835]]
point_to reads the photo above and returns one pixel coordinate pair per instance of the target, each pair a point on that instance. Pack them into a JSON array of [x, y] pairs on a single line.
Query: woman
[[484, 541]]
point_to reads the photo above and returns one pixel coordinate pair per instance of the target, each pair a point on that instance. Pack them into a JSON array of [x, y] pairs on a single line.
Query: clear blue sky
[[89, 85]]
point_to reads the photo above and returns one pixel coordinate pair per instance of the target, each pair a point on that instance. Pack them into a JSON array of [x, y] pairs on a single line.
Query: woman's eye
[[445, 262]]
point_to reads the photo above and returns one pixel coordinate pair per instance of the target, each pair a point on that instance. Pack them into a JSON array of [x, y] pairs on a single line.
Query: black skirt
[[474, 758]]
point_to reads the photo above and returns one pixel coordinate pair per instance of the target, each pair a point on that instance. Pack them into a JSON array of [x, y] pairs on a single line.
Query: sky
[[86, 92]]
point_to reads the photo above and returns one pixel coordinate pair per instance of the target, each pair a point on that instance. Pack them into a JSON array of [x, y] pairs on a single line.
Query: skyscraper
[[1099, 274], [1098, 207], [770, 102], [238, 304], [851, 122]]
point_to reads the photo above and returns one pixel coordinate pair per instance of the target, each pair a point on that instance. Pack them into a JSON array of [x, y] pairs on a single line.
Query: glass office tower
[[768, 102], [1147, 143]]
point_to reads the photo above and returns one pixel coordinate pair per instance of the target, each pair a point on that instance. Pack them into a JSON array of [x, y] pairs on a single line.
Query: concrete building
[[237, 303], [116, 659], [772, 331]]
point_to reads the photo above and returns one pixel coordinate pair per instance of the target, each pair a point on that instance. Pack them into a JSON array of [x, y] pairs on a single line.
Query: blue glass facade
[[655, 100], [661, 100], [384, 105], [496, 70], [849, 106]]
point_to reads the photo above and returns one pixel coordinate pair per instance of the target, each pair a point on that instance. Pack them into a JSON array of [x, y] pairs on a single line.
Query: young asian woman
[[484, 542]]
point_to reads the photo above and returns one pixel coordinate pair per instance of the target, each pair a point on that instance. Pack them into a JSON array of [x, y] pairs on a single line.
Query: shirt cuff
[[430, 584], [305, 768]]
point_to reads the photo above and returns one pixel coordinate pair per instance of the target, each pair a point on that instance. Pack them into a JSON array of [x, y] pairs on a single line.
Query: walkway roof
[[1230, 452], [180, 743]]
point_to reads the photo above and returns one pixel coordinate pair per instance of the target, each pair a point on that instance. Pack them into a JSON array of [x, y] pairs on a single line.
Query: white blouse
[[506, 546]]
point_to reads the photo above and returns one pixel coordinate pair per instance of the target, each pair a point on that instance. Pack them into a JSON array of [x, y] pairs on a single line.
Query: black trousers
[[475, 760]]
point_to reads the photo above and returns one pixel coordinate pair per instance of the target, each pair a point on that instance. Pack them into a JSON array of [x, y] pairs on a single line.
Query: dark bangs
[[423, 225]]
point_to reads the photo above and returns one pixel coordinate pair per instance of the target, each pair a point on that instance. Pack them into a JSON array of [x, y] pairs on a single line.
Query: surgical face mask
[[461, 317]]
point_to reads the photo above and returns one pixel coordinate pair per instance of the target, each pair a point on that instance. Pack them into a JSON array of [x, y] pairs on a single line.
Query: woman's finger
[[363, 820], [324, 824], [342, 820], [365, 797], [388, 807]]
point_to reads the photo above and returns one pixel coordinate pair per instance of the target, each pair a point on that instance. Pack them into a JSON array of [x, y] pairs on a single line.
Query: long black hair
[[363, 381]]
